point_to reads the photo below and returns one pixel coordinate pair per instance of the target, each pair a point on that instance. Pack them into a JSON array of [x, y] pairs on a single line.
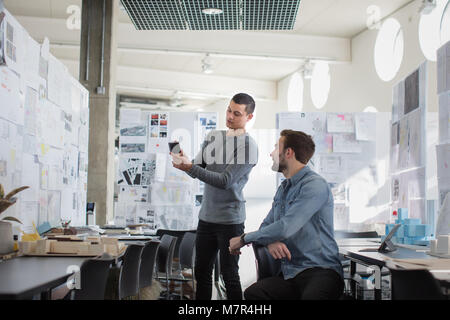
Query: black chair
[[266, 265], [174, 233], [414, 285], [187, 257], [164, 260], [93, 276], [148, 262], [129, 271]]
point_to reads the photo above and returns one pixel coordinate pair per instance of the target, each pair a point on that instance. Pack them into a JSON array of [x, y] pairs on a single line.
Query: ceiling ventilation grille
[[236, 14]]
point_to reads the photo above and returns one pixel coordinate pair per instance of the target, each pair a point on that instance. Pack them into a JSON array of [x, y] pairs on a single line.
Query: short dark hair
[[302, 144], [243, 98]]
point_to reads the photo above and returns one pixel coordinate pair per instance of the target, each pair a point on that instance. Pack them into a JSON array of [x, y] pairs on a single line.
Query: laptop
[[387, 245]]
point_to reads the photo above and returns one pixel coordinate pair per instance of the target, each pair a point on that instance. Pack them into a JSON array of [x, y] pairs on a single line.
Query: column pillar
[[98, 47]]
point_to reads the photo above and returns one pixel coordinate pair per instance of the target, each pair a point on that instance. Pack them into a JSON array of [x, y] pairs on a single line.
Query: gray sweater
[[224, 164]]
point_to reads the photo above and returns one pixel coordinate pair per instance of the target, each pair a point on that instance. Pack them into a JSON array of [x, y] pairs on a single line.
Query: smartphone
[[174, 147]]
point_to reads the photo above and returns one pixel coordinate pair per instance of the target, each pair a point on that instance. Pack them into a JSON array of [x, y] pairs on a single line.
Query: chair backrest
[[148, 260], [187, 250], [93, 276], [414, 285], [266, 265], [341, 234], [129, 271], [165, 254], [175, 233]]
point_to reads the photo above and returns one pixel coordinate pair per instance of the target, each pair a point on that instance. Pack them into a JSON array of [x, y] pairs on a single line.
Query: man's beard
[[280, 166]]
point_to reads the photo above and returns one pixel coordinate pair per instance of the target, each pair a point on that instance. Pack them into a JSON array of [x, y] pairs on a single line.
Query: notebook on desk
[[387, 245]]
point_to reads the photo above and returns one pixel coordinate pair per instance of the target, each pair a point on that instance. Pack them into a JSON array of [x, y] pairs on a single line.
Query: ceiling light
[[212, 11]]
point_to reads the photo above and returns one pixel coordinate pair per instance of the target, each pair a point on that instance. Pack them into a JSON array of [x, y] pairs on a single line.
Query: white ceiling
[[326, 21]]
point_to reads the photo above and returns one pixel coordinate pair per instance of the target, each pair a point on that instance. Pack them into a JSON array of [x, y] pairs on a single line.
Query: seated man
[[298, 229]]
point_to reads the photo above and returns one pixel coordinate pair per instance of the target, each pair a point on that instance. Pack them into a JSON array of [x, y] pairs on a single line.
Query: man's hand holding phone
[[179, 160]]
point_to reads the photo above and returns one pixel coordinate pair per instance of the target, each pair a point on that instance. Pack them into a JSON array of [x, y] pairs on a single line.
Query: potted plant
[[6, 234]]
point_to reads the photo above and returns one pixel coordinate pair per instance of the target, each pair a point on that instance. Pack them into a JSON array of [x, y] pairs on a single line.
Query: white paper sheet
[[365, 126], [331, 164], [346, 143], [340, 122], [31, 63], [161, 162], [444, 117], [133, 194], [415, 135], [43, 207], [31, 98], [68, 204], [29, 214], [14, 43], [30, 177], [443, 161], [129, 115], [58, 84], [54, 208], [12, 108], [171, 193]]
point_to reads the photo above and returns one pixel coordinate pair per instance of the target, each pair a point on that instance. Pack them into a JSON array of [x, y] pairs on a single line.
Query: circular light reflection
[[370, 109], [320, 84], [388, 51], [295, 93], [434, 29]]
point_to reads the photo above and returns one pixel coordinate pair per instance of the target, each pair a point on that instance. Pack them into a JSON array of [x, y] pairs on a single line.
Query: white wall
[[357, 85]]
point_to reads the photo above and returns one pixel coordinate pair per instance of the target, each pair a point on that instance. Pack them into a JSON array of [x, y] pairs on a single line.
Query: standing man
[[223, 164], [298, 229]]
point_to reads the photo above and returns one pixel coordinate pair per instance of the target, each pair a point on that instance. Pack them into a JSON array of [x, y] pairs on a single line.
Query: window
[[434, 29], [388, 52], [320, 84]]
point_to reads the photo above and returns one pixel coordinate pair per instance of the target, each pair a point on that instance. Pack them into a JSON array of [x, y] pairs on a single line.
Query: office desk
[[377, 261], [23, 277]]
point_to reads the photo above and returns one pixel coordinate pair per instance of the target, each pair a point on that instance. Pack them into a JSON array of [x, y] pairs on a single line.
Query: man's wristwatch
[[242, 239]]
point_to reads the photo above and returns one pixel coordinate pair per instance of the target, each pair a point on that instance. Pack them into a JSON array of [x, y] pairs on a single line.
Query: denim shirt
[[302, 218]]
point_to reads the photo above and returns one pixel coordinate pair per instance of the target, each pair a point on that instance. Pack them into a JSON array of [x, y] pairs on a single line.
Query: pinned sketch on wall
[[2, 38], [207, 122], [340, 122], [411, 92], [443, 161], [345, 152], [38, 137], [443, 68], [346, 143], [175, 193], [14, 44], [134, 194], [130, 115], [137, 171], [407, 154], [365, 126], [415, 139], [132, 147], [158, 125], [444, 117]]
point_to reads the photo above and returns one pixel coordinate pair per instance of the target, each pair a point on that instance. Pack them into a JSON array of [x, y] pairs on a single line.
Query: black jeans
[[310, 284], [211, 238]]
